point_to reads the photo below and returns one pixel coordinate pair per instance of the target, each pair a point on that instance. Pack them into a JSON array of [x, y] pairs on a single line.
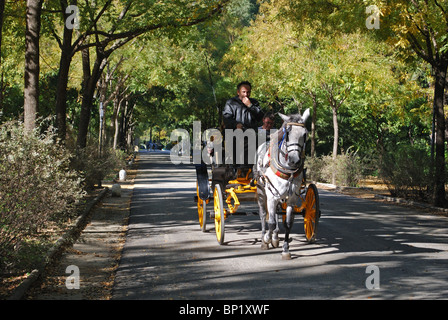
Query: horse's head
[[294, 136]]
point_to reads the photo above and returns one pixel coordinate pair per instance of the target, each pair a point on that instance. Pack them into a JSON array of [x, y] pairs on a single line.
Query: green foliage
[[406, 171], [12, 103], [289, 61], [345, 170], [37, 185], [184, 82], [296, 53], [94, 167]]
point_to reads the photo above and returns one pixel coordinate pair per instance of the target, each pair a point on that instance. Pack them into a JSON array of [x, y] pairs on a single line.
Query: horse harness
[[278, 169]]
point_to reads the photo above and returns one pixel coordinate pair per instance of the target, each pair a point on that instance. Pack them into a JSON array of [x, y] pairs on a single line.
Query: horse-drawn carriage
[[277, 182]]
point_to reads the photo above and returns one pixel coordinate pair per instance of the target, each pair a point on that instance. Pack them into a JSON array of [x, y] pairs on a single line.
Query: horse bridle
[[296, 146], [282, 170]]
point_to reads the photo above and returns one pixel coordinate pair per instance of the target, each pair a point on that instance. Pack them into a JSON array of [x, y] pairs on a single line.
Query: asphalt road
[[166, 255]]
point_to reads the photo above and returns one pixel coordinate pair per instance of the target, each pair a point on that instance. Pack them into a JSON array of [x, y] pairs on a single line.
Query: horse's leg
[[275, 239], [270, 205], [286, 255], [262, 212]]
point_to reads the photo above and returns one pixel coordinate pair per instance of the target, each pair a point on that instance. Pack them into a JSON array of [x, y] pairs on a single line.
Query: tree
[[67, 52], [416, 28], [115, 38], [2, 10], [107, 26], [31, 89], [110, 89], [421, 27]]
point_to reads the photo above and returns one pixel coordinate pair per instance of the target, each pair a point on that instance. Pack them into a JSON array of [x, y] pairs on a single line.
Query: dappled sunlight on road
[[167, 256]]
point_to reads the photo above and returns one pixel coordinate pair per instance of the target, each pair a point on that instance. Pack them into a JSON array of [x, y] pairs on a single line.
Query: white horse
[[280, 172]]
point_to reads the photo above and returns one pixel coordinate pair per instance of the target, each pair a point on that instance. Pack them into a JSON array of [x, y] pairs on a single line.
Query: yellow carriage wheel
[[312, 213], [218, 205], [202, 211]]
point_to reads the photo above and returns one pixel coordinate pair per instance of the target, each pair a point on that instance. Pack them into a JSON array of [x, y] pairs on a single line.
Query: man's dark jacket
[[235, 111]]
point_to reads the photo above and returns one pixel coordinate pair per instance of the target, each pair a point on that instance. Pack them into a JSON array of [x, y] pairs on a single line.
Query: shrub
[[346, 170], [36, 185], [406, 171], [314, 167], [94, 167]]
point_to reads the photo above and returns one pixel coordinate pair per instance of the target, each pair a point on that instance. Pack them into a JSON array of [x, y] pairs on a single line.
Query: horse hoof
[[275, 243], [264, 245], [286, 256], [266, 239]]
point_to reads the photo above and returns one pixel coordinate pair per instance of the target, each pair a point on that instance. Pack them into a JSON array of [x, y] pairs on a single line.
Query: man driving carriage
[[241, 111]]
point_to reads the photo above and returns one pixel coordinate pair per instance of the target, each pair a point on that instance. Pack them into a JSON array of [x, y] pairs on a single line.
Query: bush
[[37, 185], [346, 170], [314, 167], [94, 167], [406, 171]]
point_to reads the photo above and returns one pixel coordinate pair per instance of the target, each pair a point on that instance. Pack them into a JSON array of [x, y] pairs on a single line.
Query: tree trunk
[[31, 90], [128, 126], [313, 124], [336, 132], [61, 96], [335, 104], [335, 141], [64, 68], [121, 133], [89, 86], [84, 116], [114, 117], [117, 127], [102, 88], [2, 10], [439, 177]]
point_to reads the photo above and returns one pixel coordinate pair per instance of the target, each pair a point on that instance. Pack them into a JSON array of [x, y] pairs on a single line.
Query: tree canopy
[[154, 66]]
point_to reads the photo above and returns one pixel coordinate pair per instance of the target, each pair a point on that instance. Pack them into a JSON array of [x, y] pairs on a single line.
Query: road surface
[[364, 249]]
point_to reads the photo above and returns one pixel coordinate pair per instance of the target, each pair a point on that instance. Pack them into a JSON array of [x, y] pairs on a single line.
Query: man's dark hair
[[243, 83], [269, 115]]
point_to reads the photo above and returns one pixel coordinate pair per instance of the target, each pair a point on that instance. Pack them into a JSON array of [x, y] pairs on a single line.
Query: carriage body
[[281, 188], [230, 185]]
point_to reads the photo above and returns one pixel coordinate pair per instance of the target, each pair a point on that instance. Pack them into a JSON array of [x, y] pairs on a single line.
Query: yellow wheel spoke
[[311, 212], [201, 210], [219, 213]]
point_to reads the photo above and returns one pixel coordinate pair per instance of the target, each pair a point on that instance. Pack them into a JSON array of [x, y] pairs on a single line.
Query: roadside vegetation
[[43, 187]]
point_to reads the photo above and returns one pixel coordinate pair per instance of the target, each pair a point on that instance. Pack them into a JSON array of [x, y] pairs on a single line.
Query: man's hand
[[239, 126], [246, 101]]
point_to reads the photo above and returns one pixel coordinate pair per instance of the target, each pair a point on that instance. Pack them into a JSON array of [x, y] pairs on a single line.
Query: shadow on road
[[166, 256]]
